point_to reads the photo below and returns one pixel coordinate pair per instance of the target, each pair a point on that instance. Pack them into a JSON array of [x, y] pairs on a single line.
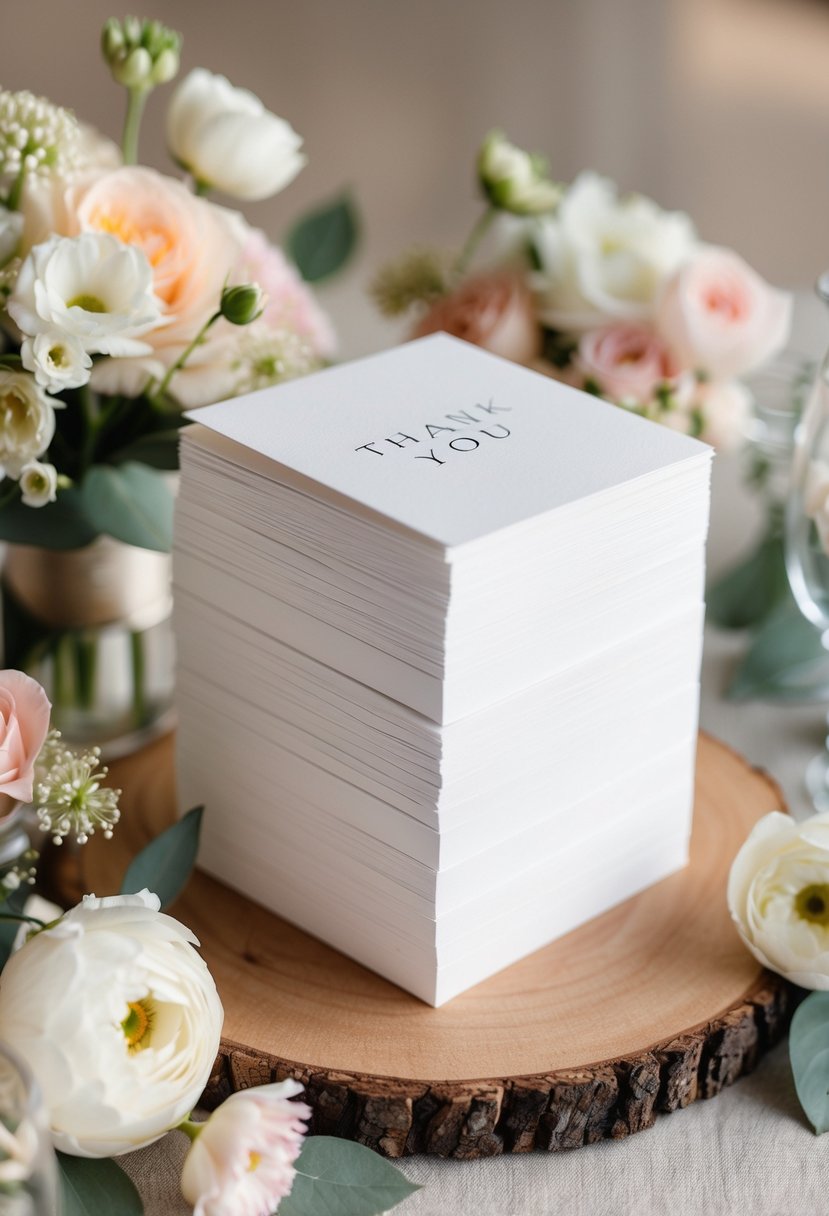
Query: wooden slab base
[[644, 1010]]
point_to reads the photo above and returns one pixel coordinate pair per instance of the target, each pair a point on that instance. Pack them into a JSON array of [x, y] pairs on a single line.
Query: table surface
[[748, 1150]]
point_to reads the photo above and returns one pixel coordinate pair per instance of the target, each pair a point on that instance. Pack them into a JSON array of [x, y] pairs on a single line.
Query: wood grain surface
[[643, 1010]]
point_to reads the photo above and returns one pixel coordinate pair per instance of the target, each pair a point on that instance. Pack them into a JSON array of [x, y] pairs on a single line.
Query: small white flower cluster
[[69, 797], [22, 873], [35, 135], [269, 356]]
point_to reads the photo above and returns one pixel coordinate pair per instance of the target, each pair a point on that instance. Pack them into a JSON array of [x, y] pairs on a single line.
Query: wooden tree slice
[[644, 1010]]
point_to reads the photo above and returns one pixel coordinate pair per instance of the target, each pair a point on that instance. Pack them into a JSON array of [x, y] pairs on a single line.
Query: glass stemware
[[28, 1167], [807, 532]]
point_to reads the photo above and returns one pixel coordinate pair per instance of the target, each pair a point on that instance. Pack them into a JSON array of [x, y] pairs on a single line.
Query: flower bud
[[38, 483], [140, 54], [514, 180], [165, 66], [243, 304]]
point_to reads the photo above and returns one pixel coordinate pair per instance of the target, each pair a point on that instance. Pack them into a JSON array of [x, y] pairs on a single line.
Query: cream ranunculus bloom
[[778, 896], [606, 257], [27, 420], [118, 1018], [92, 288], [226, 138]]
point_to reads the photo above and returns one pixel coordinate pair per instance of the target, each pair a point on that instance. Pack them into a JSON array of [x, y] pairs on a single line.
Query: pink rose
[[718, 316], [494, 311], [24, 723], [290, 304], [725, 408], [626, 362]]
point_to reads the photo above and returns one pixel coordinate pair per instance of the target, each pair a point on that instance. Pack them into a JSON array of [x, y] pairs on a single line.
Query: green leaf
[[159, 450], [165, 865], [63, 524], [786, 660], [322, 241], [809, 1055], [10, 928], [746, 595], [132, 503], [93, 1186], [339, 1178]]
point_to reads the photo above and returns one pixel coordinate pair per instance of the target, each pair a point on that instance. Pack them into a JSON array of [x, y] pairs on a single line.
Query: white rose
[[92, 288], [27, 420], [226, 138], [604, 257], [242, 1160], [515, 180], [57, 361], [778, 896], [118, 1018], [38, 483]]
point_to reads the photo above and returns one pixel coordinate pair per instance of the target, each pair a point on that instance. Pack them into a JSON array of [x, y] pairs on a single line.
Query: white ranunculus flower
[[92, 288], [57, 361], [38, 484], [27, 420], [514, 180], [778, 896], [606, 257], [118, 1018], [226, 138], [242, 1161]]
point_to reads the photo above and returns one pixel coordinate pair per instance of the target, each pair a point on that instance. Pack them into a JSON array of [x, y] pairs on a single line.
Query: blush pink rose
[[725, 407], [719, 316], [626, 361], [289, 303], [24, 723], [493, 311]]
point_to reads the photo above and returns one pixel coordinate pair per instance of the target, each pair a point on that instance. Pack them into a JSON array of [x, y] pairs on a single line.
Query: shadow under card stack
[[439, 623]]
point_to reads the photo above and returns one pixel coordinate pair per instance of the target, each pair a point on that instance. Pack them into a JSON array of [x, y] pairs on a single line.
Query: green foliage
[[809, 1055], [94, 1186], [165, 865], [340, 1178], [786, 660], [63, 524], [745, 596], [130, 502], [322, 242]]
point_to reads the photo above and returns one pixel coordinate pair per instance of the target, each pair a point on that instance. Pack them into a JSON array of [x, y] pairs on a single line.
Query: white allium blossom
[[92, 288], [27, 420], [69, 797], [36, 134], [58, 361]]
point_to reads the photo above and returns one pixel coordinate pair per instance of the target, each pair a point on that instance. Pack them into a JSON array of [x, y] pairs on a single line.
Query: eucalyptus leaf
[[63, 524], [321, 242], [809, 1055], [93, 1186], [132, 503], [749, 591], [786, 660], [9, 929], [339, 1178], [165, 865], [159, 450]]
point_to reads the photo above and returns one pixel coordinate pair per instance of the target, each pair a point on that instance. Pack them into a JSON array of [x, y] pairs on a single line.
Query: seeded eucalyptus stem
[[132, 124]]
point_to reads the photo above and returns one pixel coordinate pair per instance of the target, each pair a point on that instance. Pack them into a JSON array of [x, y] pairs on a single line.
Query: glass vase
[[93, 625], [28, 1167]]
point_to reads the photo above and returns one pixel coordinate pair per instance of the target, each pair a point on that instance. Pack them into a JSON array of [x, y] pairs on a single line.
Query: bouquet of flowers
[[609, 293]]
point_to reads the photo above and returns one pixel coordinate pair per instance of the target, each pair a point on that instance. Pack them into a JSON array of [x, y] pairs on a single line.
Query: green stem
[[132, 124], [158, 396], [202, 189], [190, 1129], [87, 404], [139, 676], [474, 239], [20, 919], [13, 201], [85, 649]]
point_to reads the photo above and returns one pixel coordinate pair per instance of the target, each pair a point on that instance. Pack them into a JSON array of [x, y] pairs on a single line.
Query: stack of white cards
[[439, 623]]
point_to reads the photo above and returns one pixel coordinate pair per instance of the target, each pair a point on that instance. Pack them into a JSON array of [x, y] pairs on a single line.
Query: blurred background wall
[[720, 107]]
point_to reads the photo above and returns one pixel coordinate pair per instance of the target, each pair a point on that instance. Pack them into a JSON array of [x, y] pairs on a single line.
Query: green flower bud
[[140, 54], [166, 66], [243, 304], [135, 70]]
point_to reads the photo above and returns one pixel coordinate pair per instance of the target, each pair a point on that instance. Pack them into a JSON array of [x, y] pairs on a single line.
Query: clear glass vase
[[93, 625], [28, 1167]]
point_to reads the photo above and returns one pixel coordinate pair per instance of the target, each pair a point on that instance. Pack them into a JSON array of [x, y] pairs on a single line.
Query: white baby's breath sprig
[[36, 137], [69, 797]]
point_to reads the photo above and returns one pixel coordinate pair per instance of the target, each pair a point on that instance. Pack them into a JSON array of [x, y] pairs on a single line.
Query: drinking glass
[[28, 1167]]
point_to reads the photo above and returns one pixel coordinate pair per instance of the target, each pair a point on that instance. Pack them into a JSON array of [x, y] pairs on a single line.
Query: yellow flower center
[[812, 903], [57, 355], [137, 1025], [254, 1161], [87, 302]]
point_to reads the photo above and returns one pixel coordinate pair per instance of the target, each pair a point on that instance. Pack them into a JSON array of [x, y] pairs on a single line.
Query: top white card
[[445, 439]]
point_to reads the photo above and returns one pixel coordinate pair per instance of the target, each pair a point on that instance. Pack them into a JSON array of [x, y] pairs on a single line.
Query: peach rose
[[494, 311], [192, 247], [24, 723], [720, 317], [626, 362]]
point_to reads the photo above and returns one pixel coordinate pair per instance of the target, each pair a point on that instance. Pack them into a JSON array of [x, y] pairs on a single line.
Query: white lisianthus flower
[[38, 483], [242, 1161], [514, 180], [92, 288], [57, 361], [226, 138], [118, 1018], [605, 257], [778, 896], [27, 420]]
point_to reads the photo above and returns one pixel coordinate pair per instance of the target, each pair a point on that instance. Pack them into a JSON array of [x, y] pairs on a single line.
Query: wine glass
[[807, 532], [28, 1167]]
